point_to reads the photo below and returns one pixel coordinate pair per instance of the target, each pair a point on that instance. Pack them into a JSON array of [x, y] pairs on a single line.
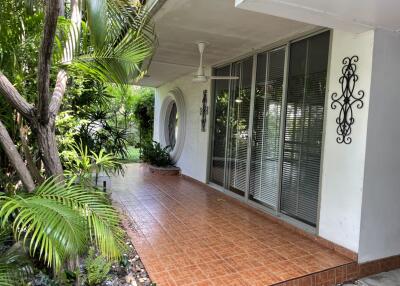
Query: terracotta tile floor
[[189, 234]]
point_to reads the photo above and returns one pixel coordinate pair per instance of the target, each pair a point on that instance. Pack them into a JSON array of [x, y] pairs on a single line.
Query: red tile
[[189, 234]]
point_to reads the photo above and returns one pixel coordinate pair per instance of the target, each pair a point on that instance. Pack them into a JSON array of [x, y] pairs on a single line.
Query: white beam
[[311, 14]]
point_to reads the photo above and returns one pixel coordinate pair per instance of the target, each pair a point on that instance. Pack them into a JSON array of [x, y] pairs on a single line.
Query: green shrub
[[97, 268], [154, 154]]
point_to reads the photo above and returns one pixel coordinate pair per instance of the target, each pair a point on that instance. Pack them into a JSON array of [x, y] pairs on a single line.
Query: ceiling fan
[[199, 76]]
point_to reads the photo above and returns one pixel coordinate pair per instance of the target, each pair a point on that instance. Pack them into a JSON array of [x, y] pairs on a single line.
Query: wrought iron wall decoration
[[204, 111], [347, 99]]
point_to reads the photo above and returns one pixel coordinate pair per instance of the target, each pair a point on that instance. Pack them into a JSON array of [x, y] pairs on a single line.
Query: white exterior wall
[[380, 222], [342, 175], [343, 165], [193, 160]]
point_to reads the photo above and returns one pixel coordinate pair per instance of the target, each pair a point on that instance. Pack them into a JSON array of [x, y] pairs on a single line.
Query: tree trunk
[[16, 159], [30, 163], [62, 8], [42, 119], [48, 149]]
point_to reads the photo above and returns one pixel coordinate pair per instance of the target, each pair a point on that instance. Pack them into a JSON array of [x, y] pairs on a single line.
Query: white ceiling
[[351, 15], [230, 32]]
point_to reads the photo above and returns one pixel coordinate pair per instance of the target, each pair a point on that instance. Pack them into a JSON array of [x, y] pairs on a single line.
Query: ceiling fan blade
[[199, 76], [224, 77]]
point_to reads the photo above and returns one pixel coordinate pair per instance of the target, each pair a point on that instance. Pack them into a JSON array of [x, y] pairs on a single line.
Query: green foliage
[[81, 163], [133, 154], [15, 266], [20, 32], [120, 37], [90, 117], [68, 129], [136, 112], [42, 279], [156, 155], [58, 220], [97, 268], [143, 112]]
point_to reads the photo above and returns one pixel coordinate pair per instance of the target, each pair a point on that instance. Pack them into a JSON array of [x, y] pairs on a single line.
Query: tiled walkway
[[189, 234]]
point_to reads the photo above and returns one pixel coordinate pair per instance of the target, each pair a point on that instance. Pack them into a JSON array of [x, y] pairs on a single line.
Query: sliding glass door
[[266, 146], [231, 125], [238, 135], [265, 155], [221, 105], [304, 125]]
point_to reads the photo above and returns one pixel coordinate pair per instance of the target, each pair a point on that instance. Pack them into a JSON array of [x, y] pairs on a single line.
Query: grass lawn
[[133, 155]]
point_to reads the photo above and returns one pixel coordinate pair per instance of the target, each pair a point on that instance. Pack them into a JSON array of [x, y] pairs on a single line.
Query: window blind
[[304, 126], [265, 157], [239, 125], [221, 100]]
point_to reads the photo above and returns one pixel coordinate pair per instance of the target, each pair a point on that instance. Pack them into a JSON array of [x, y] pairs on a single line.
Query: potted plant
[[158, 158]]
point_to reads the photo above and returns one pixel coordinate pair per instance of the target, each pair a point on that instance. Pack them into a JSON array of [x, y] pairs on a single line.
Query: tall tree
[[115, 45]]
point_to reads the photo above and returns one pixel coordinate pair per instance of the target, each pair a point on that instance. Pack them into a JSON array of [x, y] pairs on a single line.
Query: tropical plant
[[90, 117], [154, 154], [142, 106], [15, 266], [109, 40], [43, 279], [82, 163], [20, 31], [57, 221], [97, 268], [99, 132]]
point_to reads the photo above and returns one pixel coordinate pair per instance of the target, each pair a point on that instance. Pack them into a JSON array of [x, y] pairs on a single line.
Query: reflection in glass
[[281, 173], [239, 116], [173, 126], [221, 95], [264, 184], [304, 125]]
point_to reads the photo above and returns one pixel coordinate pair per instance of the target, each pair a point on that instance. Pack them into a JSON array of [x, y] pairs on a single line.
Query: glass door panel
[[239, 115], [265, 155], [221, 104], [304, 126], [282, 172]]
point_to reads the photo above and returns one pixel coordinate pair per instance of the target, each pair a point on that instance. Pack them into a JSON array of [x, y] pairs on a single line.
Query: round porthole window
[[173, 128], [172, 123]]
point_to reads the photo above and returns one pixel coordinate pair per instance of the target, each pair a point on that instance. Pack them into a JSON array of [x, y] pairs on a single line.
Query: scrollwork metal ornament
[[204, 111], [347, 100]]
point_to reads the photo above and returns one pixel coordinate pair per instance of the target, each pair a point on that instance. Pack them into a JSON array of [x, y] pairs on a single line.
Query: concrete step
[[391, 278]]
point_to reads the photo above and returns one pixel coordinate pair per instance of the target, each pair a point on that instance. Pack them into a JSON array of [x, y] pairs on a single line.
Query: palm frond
[[122, 40], [102, 219], [50, 230], [57, 220], [15, 266]]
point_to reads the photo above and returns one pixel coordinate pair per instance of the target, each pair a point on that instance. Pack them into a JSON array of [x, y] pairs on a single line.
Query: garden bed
[[132, 271], [129, 273]]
